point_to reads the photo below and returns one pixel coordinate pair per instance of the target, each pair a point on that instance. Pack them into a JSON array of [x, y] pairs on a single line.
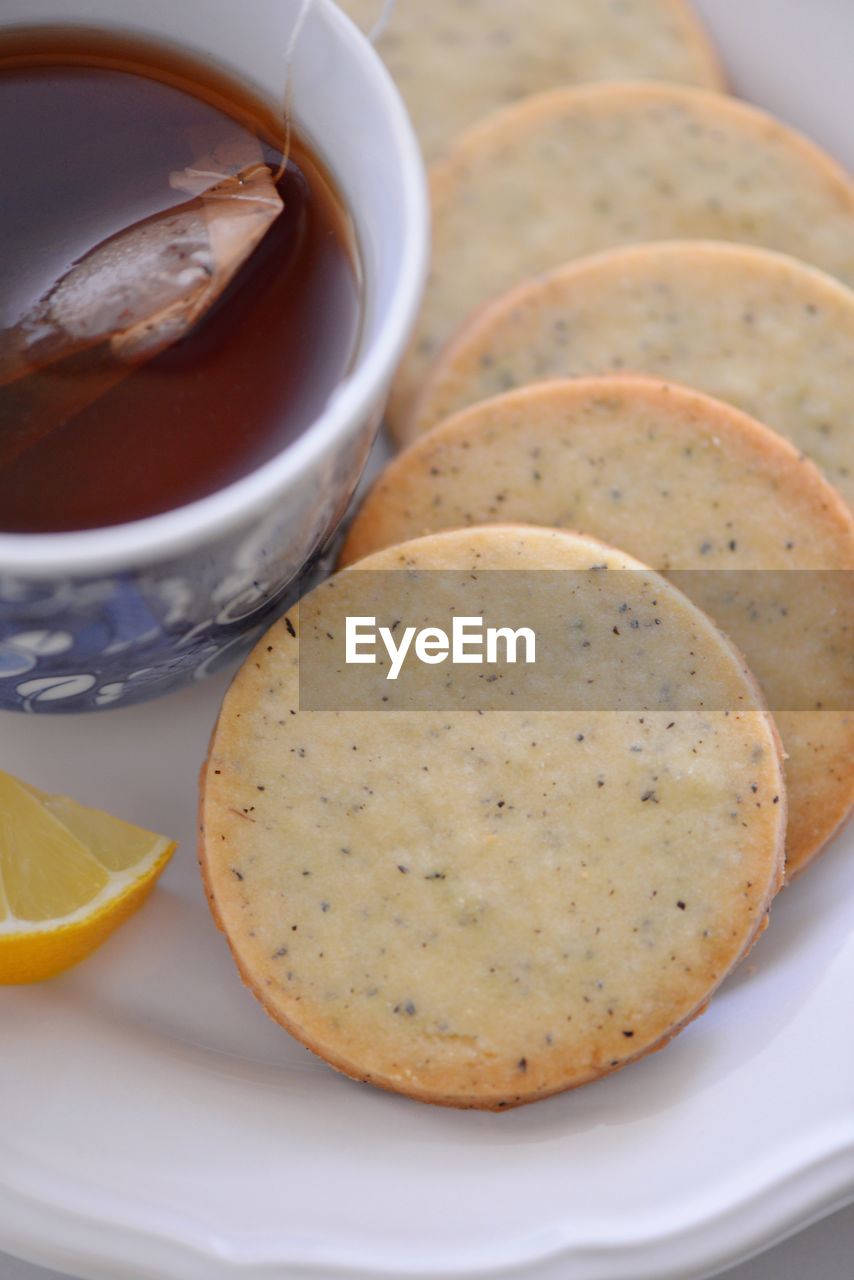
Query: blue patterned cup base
[[135, 637]]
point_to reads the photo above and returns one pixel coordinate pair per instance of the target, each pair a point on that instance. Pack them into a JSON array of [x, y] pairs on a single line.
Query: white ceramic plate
[[154, 1124]]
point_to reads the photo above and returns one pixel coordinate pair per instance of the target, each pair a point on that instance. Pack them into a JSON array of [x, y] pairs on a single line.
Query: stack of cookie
[[637, 334]]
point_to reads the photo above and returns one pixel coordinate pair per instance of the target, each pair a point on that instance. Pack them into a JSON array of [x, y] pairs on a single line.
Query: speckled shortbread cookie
[[484, 909], [455, 62], [758, 329], [581, 170], [684, 483]]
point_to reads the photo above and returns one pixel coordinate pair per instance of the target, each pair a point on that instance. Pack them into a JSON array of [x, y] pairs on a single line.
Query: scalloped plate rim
[[657, 1255]]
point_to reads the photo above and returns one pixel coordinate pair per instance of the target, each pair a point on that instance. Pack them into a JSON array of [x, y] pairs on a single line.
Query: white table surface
[[801, 77]]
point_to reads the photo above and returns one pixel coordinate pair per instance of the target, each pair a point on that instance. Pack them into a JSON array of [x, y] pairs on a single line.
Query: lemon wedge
[[69, 876]]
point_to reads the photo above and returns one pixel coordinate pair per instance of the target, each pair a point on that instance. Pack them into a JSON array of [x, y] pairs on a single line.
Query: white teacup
[[116, 615]]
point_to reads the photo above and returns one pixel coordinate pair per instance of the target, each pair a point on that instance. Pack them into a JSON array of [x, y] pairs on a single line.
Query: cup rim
[[169, 533]]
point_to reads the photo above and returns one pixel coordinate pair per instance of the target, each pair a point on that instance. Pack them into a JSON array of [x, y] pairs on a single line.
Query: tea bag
[[134, 294], [148, 285], [142, 289]]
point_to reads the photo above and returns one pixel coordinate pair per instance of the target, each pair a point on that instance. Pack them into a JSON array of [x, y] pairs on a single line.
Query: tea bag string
[[305, 8], [293, 40], [382, 21]]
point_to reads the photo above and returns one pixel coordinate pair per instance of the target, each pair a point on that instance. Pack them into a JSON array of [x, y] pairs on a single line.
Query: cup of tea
[[212, 255]]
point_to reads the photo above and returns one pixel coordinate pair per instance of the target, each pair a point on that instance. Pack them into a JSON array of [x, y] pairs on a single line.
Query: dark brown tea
[[98, 136]]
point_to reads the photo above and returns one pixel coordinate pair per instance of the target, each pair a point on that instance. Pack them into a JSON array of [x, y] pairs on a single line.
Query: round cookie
[[685, 483], [481, 910], [577, 171], [487, 53], [763, 331]]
